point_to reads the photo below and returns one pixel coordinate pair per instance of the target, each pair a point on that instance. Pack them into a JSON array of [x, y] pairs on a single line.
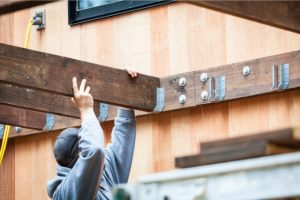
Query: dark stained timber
[[51, 73]]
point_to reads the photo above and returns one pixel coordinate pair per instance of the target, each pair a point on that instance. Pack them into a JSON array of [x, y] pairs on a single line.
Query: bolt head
[[182, 81], [203, 77], [182, 99], [18, 129], [246, 70], [204, 95]]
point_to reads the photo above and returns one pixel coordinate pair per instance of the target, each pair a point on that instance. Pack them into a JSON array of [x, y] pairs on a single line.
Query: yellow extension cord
[[29, 25], [4, 142], [7, 127]]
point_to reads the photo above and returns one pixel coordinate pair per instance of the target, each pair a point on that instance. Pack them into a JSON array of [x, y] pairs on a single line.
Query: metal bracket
[[283, 82], [212, 89], [220, 92], [39, 19], [216, 88], [2, 126], [103, 112], [160, 99], [50, 121]]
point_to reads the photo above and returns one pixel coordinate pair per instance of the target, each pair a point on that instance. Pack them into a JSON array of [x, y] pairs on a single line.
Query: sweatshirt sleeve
[[84, 178], [120, 151]]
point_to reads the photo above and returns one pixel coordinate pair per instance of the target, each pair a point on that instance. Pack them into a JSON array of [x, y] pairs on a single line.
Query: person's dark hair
[[66, 149]]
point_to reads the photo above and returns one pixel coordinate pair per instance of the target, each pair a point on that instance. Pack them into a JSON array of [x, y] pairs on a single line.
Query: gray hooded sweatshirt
[[97, 169]]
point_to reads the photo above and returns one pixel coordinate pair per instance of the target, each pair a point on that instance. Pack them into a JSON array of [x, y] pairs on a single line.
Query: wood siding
[[160, 41]]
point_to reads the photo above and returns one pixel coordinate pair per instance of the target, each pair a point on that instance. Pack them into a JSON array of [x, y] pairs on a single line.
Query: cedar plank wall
[[161, 41]]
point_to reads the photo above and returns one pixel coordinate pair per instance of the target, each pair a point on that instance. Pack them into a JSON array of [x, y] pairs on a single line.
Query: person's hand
[[82, 99], [132, 72]]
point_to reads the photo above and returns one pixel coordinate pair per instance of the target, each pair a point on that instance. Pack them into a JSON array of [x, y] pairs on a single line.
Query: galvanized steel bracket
[[103, 112], [160, 99], [220, 92], [283, 76], [50, 121], [217, 89], [2, 126]]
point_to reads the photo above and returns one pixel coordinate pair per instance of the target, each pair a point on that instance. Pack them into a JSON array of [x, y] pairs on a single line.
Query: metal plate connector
[[103, 112], [2, 126], [282, 74], [160, 99], [50, 121]]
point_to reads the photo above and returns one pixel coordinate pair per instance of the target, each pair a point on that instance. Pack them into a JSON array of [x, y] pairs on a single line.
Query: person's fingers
[[82, 85], [75, 86], [129, 71], [87, 90], [72, 99]]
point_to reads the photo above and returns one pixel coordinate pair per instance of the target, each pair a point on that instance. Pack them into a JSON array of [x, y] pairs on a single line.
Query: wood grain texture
[[22, 117], [243, 150], [7, 171], [40, 101], [163, 41], [53, 73], [258, 82], [283, 14], [287, 136]]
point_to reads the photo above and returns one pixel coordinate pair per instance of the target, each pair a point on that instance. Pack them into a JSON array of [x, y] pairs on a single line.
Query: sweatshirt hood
[[53, 183]]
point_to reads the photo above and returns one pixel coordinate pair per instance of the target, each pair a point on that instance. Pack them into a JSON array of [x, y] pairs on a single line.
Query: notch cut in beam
[[282, 14], [51, 73]]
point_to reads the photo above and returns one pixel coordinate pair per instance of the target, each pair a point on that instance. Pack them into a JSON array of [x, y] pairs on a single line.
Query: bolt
[[18, 129], [203, 77], [182, 99], [246, 70], [182, 82], [204, 95]]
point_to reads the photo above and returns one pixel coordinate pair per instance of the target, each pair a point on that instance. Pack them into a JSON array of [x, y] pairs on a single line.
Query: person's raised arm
[[84, 178], [121, 149], [91, 134]]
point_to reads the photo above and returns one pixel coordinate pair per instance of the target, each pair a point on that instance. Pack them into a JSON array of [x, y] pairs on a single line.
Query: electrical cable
[[29, 26], [4, 142], [7, 127]]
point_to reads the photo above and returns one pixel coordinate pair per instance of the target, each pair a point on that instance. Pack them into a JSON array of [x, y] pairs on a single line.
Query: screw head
[[182, 99], [18, 129], [182, 81], [203, 77], [246, 70], [204, 95]]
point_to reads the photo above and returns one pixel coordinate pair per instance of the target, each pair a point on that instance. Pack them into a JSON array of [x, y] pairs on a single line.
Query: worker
[[86, 169]]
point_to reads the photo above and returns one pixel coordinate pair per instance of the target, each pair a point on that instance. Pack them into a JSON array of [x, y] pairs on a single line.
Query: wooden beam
[[282, 14], [59, 124], [240, 151], [51, 93], [173, 91], [258, 82], [51, 73], [288, 136], [40, 101], [249, 146], [22, 117], [7, 6], [236, 86]]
